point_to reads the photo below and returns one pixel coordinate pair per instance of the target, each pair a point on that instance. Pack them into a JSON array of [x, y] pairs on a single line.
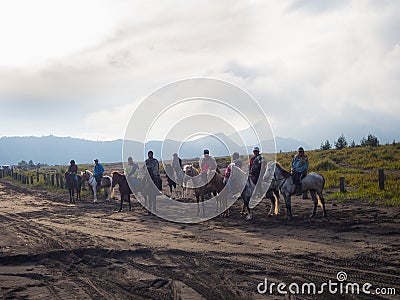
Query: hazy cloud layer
[[318, 68]]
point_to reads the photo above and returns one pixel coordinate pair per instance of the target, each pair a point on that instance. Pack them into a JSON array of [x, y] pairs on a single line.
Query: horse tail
[[319, 194], [276, 212]]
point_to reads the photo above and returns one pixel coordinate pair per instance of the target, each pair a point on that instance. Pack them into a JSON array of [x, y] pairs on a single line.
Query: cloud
[[317, 68]]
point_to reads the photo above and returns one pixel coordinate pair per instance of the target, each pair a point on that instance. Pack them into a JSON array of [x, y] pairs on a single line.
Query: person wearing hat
[[255, 165], [131, 173], [98, 172], [73, 169], [299, 168], [207, 163]]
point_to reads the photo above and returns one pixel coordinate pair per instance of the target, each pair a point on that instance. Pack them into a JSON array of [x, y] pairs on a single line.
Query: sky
[[318, 69]]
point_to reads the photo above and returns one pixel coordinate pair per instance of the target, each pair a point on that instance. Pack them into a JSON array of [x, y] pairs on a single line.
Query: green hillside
[[359, 166]]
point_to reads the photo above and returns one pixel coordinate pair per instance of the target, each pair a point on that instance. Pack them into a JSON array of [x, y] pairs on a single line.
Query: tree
[[341, 142], [22, 163], [31, 164], [326, 145], [353, 144], [371, 141]]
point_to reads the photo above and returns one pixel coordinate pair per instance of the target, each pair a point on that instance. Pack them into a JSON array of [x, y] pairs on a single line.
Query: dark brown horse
[[72, 184], [124, 189]]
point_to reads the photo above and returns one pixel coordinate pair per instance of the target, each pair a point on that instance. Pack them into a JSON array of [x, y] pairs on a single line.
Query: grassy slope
[[360, 167]]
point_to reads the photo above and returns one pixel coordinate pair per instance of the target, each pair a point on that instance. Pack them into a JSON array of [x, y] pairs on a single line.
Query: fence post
[[381, 180], [342, 189], [37, 176], [62, 182], [52, 179], [31, 179], [57, 179]]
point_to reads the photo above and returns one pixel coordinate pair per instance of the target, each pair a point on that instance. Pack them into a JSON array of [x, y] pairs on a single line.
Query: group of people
[[207, 163]]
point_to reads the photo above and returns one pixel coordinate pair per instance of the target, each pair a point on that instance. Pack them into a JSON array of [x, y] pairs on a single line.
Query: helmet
[[300, 149], [256, 149], [206, 151], [96, 160], [72, 161]]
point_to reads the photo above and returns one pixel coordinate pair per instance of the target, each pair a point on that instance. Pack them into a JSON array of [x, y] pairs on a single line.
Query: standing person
[[73, 169], [255, 165], [177, 166], [299, 168], [131, 173], [98, 171], [153, 169]]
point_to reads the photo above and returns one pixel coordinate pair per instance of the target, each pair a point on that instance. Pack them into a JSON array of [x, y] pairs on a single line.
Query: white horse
[[106, 182], [313, 182]]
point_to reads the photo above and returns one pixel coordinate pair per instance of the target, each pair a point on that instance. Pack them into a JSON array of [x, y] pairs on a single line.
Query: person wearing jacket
[[299, 169]]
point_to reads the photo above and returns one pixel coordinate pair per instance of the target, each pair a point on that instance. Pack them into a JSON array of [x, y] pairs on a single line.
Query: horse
[[72, 185], [313, 182], [106, 183], [272, 192], [217, 186], [124, 189], [199, 186], [150, 188], [185, 179]]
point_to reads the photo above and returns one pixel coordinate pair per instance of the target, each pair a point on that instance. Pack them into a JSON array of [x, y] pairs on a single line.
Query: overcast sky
[[318, 68]]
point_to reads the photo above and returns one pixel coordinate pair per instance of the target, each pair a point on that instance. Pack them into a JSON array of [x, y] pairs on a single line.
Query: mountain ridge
[[60, 150]]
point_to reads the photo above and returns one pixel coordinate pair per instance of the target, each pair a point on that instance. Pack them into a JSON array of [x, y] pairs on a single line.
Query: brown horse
[[124, 189]]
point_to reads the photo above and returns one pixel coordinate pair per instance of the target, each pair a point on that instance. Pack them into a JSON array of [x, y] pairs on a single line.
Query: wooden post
[[381, 180], [31, 179], [57, 179], [62, 182], [37, 176], [44, 177], [342, 189], [52, 179]]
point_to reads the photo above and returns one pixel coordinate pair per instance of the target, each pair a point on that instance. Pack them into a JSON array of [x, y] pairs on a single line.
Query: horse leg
[[315, 201], [122, 202], [288, 207], [249, 216], [204, 207], [129, 202], [94, 190], [321, 198], [198, 204]]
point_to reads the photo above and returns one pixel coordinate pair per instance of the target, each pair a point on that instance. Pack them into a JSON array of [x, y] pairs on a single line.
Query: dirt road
[[50, 249]]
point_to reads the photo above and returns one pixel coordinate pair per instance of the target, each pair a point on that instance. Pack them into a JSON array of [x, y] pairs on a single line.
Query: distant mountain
[[60, 150]]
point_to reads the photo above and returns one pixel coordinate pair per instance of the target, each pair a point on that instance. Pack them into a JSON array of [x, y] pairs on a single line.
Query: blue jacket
[[300, 164], [98, 170]]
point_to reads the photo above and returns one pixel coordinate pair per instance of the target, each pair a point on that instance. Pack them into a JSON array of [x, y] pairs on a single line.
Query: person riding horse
[[299, 169], [98, 172], [153, 169], [73, 169], [207, 163], [235, 162], [131, 173]]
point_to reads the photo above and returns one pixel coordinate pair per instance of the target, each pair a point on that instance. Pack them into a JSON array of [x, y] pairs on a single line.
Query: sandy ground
[[50, 249]]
